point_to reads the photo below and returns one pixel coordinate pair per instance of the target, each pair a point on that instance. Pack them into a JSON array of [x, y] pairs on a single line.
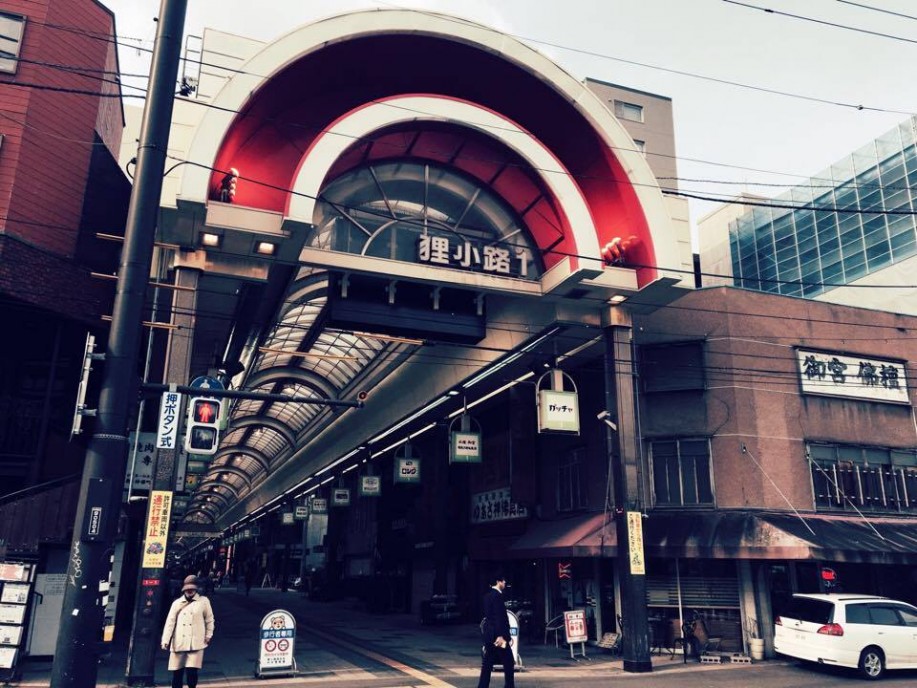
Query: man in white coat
[[188, 630]]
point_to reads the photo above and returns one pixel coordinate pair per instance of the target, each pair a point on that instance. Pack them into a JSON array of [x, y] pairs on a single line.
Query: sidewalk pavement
[[339, 641]]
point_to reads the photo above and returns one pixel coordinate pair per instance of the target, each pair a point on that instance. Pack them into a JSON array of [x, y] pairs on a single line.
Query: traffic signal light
[[203, 436]]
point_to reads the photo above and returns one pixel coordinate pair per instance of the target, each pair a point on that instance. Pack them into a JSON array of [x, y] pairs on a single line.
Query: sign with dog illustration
[[277, 639]]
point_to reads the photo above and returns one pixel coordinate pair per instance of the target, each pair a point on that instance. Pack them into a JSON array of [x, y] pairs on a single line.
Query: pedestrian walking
[[249, 577], [188, 630], [497, 640]]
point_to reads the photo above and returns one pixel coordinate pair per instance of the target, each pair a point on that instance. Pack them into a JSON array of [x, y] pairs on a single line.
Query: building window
[[681, 472], [640, 146], [851, 478], [570, 493], [11, 29], [673, 367], [628, 111]]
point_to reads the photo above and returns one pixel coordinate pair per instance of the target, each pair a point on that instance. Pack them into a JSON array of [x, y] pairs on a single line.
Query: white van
[[865, 632]]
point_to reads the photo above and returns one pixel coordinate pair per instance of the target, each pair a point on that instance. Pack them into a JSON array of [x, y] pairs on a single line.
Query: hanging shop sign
[[558, 408], [277, 640], [340, 496], [287, 518], [169, 408], [495, 505], [564, 570], [370, 486], [157, 529], [319, 505], [407, 470], [854, 377], [635, 543], [465, 447], [464, 440], [301, 513]]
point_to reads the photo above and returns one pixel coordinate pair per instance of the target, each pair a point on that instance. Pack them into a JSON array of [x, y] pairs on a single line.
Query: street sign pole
[[76, 654]]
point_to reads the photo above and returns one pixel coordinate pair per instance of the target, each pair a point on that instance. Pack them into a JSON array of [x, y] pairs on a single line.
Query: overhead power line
[[824, 22]]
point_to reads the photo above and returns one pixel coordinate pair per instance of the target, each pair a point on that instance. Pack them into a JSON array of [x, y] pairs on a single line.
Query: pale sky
[[714, 122]]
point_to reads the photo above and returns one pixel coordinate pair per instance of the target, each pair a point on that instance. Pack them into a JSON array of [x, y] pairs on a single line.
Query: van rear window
[[811, 611]]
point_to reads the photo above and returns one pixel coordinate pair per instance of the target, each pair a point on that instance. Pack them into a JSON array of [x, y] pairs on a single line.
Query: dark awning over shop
[[730, 535], [852, 538], [585, 535]]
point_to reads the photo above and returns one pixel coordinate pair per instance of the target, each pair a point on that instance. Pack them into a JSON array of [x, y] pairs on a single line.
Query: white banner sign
[[169, 407], [340, 496], [857, 377]]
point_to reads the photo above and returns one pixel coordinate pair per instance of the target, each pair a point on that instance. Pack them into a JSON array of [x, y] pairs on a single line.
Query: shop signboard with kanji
[[340, 496], [496, 505], [157, 529], [465, 447], [855, 377], [276, 644]]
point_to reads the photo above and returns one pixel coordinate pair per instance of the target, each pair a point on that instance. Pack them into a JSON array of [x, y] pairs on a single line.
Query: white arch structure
[[276, 56]]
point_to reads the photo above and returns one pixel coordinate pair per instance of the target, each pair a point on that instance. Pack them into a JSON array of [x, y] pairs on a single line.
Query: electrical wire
[[822, 22]]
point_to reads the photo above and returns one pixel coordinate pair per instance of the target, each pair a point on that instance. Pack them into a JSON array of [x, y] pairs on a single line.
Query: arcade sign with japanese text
[[855, 377], [472, 255]]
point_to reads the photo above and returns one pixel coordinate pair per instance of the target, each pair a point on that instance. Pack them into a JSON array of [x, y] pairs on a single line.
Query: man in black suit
[[497, 639]]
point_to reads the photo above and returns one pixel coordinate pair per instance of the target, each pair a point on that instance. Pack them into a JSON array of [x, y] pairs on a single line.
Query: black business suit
[[498, 622]]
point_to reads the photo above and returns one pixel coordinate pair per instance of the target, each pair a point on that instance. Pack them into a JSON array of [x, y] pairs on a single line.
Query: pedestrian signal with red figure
[[203, 436]]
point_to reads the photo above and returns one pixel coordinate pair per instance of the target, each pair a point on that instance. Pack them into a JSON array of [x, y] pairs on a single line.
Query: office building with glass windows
[[850, 226]]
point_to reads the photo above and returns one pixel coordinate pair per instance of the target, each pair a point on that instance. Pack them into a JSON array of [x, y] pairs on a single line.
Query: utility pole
[[76, 655], [622, 447]]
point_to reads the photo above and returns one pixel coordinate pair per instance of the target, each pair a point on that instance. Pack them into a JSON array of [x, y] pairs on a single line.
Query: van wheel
[[872, 663]]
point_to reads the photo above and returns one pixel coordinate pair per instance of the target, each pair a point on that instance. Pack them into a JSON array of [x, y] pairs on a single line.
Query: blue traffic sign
[[206, 382]]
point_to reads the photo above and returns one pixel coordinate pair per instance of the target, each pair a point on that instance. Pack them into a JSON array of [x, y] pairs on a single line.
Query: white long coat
[[188, 630]]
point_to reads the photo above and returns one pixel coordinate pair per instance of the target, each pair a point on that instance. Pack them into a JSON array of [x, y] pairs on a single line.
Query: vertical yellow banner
[[635, 543], [157, 529]]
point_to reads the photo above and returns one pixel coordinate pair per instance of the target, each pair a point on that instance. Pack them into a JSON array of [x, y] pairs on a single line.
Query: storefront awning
[[585, 535], [852, 538], [730, 535]]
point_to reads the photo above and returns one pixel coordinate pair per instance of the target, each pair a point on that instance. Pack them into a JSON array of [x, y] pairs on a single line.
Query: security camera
[[605, 417]]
